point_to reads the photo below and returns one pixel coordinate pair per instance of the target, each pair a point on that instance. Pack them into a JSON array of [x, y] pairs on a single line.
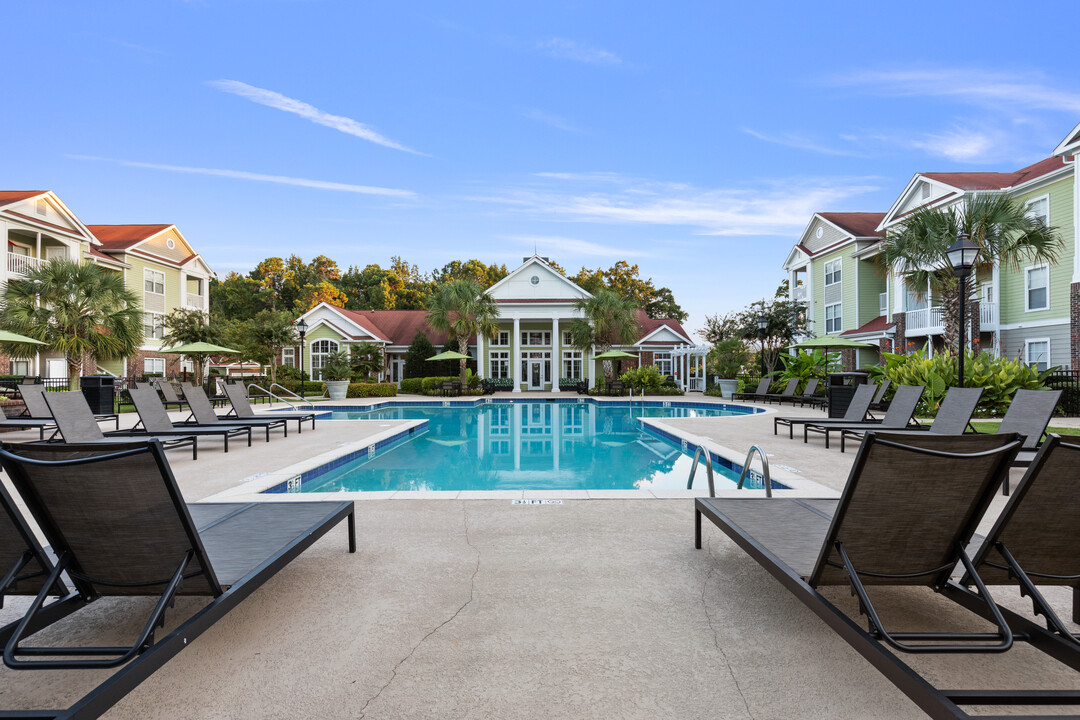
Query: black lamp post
[[301, 327], [762, 326], [962, 255]]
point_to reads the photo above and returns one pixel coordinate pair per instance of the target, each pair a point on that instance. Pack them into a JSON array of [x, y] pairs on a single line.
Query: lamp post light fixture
[[302, 327], [762, 326], [962, 255]]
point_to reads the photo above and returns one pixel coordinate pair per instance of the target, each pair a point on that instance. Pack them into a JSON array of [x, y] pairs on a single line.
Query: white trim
[[535, 260], [1027, 346], [1070, 143], [1034, 324], [1027, 287], [672, 330], [825, 271], [334, 310], [1032, 201]]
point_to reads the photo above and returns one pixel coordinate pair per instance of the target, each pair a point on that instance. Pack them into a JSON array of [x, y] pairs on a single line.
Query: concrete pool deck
[[483, 609]]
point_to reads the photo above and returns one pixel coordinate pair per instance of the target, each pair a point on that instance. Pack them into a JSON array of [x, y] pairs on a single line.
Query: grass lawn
[[989, 426]]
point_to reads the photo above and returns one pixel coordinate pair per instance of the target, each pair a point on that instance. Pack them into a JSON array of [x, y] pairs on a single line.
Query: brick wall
[[900, 339], [136, 366], [1074, 326]]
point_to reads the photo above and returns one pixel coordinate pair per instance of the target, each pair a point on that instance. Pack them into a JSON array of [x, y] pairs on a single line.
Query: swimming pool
[[520, 445]]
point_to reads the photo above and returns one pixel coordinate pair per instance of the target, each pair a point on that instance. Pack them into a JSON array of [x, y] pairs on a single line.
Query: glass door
[[536, 375]]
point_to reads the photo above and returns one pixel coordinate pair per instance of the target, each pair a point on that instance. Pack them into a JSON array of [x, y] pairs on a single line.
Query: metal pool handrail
[[764, 467], [708, 469], [294, 406]]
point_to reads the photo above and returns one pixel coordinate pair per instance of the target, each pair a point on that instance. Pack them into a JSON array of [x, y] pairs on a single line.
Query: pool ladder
[[701, 451]]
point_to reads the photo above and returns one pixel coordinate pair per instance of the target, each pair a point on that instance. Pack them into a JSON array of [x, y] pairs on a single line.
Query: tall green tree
[[78, 309], [367, 359], [625, 279], [607, 319], [270, 331], [998, 224], [183, 326], [463, 308], [785, 325], [420, 349]]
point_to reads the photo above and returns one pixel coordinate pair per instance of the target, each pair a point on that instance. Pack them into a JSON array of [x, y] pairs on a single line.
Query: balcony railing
[[988, 316], [928, 321], [22, 264], [883, 303], [799, 292], [195, 301]]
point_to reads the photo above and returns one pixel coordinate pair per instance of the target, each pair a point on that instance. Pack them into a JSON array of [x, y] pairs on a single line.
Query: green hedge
[[362, 390], [434, 384], [502, 383], [412, 385], [311, 387]]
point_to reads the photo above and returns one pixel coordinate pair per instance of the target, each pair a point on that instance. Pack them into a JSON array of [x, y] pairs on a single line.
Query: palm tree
[[462, 308], [607, 319], [81, 310], [998, 224]]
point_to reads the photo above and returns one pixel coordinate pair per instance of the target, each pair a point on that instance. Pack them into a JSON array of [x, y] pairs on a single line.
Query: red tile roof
[[649, 325], [859, 224], [877, 325], [7, 197], [121, 237], [997, 181]]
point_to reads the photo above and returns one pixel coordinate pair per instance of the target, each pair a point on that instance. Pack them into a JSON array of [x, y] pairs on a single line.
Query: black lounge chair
[[120, 527], [878, 402], [910, 504], [856, 412], [242, 410], [168, 395], [787, 394], [254, 398], [24, 566], [155, 420], [1034, 540], [1029, 414], [203, 413], [76, 425], [761, 391], [899, 416], [38, 416], [807, 396], [953, 417]]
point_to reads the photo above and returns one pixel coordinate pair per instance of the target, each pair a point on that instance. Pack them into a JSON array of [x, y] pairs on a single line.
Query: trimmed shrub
[[412, 385], [362, 390], [502, 383], [311, 387]]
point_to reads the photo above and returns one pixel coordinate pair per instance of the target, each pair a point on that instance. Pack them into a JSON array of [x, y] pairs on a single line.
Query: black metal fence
[[1068, 381]]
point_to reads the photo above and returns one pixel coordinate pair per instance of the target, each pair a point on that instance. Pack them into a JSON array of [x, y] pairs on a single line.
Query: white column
[[515, 340], [480, 355], [590, 365], [515, 434], [556, 360]]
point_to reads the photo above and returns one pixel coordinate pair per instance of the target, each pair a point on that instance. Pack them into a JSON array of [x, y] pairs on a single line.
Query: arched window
[[320, 349]]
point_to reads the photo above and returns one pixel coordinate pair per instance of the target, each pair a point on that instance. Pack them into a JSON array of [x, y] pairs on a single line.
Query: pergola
[[693, 380]]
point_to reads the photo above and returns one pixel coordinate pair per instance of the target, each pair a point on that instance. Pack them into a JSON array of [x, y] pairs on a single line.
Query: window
[[662, 361], [288, 356], [1037, 353], [153, 326], [154, 282], [567, 341], [501, 340], [499, 364], [320, 349], [16, 249], [1037, 286], [833, 318], [571, 364], [536, 338], [187, 365], [1039, 209], [20, 367], [154, 366], [832, 271]]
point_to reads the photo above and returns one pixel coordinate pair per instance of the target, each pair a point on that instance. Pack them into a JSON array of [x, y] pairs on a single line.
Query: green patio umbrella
[[448, 355], [10, 337], [201, 348], [615, 355]]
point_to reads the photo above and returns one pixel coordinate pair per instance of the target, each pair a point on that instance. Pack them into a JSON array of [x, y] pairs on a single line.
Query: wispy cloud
[[548, 244], [796, 141], [258, 177], [773, 207], [972, 85], [554, 121], [281, 102], [572, 50]]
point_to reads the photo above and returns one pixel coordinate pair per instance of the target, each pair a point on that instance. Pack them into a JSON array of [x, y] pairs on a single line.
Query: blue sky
[[695, 139]]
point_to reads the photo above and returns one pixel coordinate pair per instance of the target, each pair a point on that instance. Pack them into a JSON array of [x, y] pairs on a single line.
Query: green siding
[[871, 285], [323, 332], [135, 284], [849, 291], [1012, 280]]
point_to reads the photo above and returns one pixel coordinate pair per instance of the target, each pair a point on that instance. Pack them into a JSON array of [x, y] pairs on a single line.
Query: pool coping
[[255, 487]]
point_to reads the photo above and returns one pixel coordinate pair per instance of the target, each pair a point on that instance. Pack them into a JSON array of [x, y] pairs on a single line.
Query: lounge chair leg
[[1076, 605], [352, 531], [697, 529], [225, 437]]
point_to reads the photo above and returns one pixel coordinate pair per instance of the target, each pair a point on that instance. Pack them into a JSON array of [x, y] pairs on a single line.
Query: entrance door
[[397, 368], [536, 375], [56, 368]]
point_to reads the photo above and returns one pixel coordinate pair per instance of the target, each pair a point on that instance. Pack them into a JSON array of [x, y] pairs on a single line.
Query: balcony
[[193, 300], [928, 321], [798, 292], [22, 264]]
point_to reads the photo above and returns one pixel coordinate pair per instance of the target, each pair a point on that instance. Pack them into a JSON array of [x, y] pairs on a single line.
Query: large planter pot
[[728, 388], [337, 389]]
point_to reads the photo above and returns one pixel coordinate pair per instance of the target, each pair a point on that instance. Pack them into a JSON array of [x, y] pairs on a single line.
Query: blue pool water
[[521, 445]]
